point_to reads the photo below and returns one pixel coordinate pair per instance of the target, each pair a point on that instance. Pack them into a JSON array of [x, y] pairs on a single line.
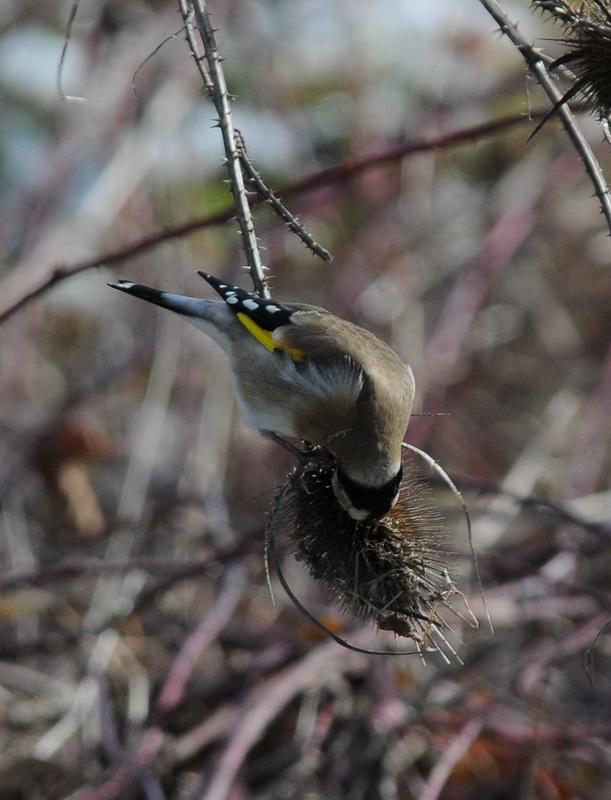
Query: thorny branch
[[280, 209], [214, 80], [536, 63]]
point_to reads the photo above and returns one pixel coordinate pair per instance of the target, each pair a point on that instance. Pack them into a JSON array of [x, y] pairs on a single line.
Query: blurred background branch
[[16, 291]]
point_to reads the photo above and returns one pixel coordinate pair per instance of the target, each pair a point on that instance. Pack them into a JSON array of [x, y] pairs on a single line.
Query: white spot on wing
[[232, 300], [251, 305], [272, 308]]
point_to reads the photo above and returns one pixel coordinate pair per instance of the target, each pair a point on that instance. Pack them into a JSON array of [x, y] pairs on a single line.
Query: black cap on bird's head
[[363, 502]]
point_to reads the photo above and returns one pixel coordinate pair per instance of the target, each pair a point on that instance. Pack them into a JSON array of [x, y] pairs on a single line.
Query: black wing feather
[[267, 314]]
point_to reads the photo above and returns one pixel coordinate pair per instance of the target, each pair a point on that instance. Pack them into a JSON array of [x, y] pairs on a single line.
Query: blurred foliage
[[140, 653]]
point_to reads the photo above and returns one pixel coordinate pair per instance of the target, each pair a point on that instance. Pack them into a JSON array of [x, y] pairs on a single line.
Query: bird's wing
[[262, 318]]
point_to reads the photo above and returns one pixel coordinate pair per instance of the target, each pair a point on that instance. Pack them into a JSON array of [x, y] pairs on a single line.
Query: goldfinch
[[301, 372]]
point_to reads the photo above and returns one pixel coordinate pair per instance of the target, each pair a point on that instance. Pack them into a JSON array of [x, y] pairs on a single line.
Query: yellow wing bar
[[267, 337]]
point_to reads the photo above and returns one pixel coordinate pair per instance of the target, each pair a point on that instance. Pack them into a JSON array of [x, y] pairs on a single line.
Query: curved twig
[[456, 492]]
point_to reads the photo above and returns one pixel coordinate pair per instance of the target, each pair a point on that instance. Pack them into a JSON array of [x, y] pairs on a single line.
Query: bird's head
[[362, 501]]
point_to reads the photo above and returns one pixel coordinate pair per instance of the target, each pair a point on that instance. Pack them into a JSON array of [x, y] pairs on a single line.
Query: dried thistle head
[[392, 571], [588, 27]]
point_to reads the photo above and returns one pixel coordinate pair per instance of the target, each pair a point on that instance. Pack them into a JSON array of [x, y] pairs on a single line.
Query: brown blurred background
[[141, 655]]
